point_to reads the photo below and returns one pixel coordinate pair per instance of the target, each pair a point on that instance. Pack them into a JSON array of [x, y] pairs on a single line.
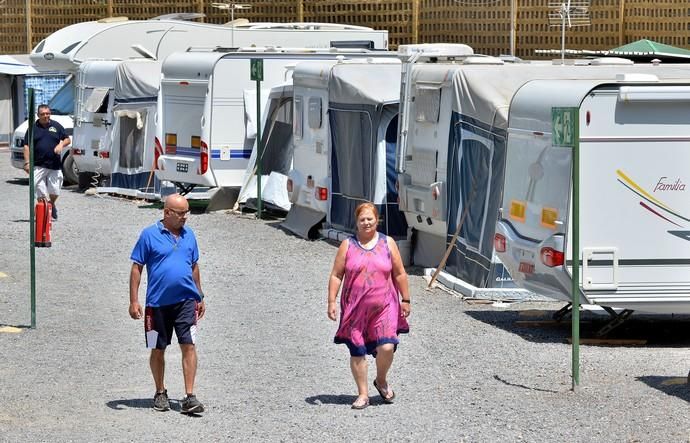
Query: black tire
[[70, 173]]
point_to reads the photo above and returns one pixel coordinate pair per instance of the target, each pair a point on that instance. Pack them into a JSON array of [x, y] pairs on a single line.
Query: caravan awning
[[16, 65]]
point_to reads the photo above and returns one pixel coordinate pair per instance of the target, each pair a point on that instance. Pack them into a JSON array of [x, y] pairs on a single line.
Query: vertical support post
[[415, 21], [575, 252], [110, 8], [199, 7], [32, 215], [259, 149], [621, 23], [513, 26], [300, 10], [563, 15], [29, 46]]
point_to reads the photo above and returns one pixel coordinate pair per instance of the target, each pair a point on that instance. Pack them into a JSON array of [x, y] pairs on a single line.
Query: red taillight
[[104, 154], [158, 149], [289, 185], [77, 152], [500, 243], [203, 167], [321, 193], [551, 257]]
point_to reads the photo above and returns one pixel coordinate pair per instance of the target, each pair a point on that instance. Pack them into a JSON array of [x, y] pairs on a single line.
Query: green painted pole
[[259, 150], [32, 216], [575, 252]]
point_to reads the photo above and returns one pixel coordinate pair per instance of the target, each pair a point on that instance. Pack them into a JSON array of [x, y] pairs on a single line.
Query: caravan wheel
[[70, 172]]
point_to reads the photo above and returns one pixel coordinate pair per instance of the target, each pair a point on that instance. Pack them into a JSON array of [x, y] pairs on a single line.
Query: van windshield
[[62, 102]]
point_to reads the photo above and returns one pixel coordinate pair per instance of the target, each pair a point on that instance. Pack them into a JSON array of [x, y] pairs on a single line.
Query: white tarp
[[95, 100], [135, 79], [364, 85]]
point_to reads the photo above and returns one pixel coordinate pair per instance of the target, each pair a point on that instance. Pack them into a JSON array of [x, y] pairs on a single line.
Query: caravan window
[[427, 103], [298, 118], [132, 141], [62, 102], [314, 115], [97, 101]]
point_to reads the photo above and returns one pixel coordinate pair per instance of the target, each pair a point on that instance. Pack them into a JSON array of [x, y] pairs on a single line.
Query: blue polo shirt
[[45, 140], [168, 264]]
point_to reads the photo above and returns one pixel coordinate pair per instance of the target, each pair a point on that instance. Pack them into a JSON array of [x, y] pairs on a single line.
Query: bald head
[[175, 211], [176, 201]]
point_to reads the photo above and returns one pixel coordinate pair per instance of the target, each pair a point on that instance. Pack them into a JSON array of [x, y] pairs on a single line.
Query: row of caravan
[[117, 39], [457, 150]]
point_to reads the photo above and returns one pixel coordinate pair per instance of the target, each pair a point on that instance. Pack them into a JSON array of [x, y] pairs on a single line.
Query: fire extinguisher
[[43, 214]]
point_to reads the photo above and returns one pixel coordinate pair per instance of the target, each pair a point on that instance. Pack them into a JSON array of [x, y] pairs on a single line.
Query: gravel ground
[[268, 370]]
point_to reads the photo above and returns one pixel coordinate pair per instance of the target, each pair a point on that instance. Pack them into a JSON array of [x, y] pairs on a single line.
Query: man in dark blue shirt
[[50, 139]]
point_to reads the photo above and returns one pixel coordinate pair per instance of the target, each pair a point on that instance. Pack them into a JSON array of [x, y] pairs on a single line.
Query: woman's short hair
[[364, 206]]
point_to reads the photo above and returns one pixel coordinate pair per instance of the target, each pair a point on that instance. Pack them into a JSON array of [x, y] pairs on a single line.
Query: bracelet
[[405, 301]]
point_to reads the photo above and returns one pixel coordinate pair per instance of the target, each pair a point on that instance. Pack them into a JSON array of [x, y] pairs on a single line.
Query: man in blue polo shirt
[[50, 139], [174, 299]]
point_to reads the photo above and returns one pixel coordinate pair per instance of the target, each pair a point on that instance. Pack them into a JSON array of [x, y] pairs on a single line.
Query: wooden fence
[[483, 24]]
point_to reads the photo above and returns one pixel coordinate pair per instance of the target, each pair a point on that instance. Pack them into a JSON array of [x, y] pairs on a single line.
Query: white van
[[202, 110], [345, 131], [634, 205]]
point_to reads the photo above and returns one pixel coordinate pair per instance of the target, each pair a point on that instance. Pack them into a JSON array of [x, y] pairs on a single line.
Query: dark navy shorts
[[160, 321]]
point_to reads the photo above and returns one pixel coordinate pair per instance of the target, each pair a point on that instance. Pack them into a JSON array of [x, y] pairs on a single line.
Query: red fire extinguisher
[[43, 214]]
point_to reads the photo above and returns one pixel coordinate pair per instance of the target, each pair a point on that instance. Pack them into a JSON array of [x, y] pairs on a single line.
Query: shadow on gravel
[[517, 385], [676, 386], [655, 330], [140, 403], [20, 220], [329, 399], [18, 181]]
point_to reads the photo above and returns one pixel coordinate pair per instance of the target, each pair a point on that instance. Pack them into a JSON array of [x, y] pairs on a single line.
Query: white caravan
[[93, 116], [202, 110], [345, 135], [131, 137], [634, 194], [450, 163]]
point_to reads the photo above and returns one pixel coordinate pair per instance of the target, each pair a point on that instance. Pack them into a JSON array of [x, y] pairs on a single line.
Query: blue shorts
[[160, 321]]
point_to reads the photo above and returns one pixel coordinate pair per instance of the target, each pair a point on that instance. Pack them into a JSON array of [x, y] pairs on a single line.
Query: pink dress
[[370, 313]]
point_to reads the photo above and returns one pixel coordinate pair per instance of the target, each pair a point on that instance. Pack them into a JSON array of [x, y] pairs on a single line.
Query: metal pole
[[232, 25], [575, 253], [29, 47], [32, 216], [513, 20], [563, 12], [259, 149]]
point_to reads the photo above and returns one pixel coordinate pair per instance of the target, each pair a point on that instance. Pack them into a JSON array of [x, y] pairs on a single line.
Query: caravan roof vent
[[607, 61], [482, 60], [636, 78]]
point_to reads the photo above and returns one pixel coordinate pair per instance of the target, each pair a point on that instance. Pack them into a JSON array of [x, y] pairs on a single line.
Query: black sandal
[[385, 398]]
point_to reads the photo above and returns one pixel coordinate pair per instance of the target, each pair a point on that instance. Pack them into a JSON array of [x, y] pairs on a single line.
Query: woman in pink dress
[[374, 303]]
